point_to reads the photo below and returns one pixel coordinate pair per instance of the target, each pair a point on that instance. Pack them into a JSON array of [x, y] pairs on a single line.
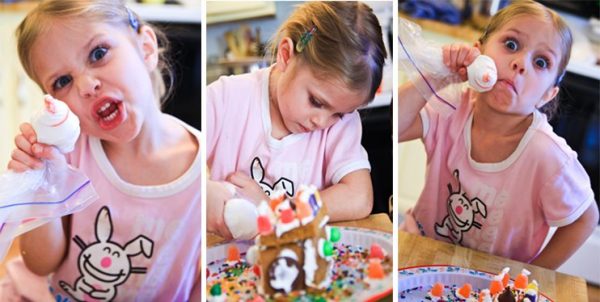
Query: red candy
[[264, 225], [256, 270], [287, 215], [376, 251], [437, 290], [465, 291]]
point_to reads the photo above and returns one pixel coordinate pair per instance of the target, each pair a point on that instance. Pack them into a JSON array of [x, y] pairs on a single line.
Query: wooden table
[[379, 222], [414, 250]]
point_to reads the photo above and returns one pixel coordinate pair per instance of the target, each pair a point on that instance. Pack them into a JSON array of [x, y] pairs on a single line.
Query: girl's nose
[[518, 65], [320, 121], [88, 86]]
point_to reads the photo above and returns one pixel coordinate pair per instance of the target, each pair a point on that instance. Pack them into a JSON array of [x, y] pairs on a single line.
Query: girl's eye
[[61, 82], [98, 53], [339, 115], [511, 44], [315, 103], [542, 62]]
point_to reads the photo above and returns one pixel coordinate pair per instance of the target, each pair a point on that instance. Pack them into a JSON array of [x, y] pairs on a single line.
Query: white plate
[[415, 282], [354, 237]]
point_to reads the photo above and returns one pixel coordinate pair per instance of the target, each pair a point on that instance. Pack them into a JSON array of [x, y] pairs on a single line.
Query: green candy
[[335, 234], [328, 248], [215, 290]]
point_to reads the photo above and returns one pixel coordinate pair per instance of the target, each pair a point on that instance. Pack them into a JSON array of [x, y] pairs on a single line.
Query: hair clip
[[133, 20], [305, 38], [559, 79]]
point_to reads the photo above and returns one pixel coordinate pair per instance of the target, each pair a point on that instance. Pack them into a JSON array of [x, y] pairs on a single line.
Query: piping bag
[[421, 60], [32, 198]]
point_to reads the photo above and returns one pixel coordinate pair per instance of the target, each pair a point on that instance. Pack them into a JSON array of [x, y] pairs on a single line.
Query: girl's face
[[307, 103], [102, 71], [527, 53]]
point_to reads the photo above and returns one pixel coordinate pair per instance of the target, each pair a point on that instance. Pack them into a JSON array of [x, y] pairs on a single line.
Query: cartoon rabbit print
[[258, 174], [461, 213], [105, 264]]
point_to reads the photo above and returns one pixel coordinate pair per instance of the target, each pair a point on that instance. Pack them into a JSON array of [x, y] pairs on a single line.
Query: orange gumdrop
[[505, 280], [264, 225], [303, 210], [521, 282], [437, 290], [465, 290], [375, 270], [496, 287], [233, 253], [276, 201]]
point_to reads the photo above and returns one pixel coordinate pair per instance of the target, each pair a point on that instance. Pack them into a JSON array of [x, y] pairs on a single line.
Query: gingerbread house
[[294, 248]]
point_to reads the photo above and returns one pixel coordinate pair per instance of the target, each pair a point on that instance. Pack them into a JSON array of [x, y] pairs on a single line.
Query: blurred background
[[448, 21], [236, 33]]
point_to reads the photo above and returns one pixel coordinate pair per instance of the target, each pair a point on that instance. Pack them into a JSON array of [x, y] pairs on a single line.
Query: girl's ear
[[149, 46], [477, 45], [548, 96], [285, 52]]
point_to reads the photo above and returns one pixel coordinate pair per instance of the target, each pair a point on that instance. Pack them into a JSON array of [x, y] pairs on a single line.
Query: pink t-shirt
[[136, 243], [503, 208], [239, 139]]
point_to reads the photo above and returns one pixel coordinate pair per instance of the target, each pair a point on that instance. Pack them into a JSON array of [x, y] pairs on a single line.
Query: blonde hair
[[346, 43], [109, 11], [529, 8]]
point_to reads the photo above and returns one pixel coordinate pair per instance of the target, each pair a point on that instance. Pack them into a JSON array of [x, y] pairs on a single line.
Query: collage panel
[[100, 191], [497, 188], [299, 150]]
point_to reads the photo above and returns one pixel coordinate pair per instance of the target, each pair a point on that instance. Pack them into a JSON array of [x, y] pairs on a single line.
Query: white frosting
[[281, 227], [240, 218], [310, 262], [328, 277], [219, 298], [482, 73], [252, 255], [56, 125], [265, 210], [284, 276]]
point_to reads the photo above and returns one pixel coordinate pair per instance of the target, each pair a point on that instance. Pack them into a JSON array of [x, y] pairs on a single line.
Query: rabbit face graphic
[[257, 172], [105, 264]]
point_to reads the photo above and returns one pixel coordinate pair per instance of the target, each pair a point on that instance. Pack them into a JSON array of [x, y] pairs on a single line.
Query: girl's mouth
[[109, 113]]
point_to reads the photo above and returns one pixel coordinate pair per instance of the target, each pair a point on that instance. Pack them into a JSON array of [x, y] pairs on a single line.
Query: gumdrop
[[437, 290], [287, 215], [233, 253], [303, 210], [496, 286], [375, 270], [334, 234], [264, 225], [522, 280], [376, 251], [215, 290], [256, 270], [464, 292]]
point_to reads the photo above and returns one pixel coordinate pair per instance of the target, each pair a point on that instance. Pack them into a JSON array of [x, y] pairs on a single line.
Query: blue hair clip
[[133, 20], [559, 79]]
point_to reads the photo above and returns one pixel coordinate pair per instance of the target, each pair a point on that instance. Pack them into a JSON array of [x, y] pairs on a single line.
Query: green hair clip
[[305, 38]]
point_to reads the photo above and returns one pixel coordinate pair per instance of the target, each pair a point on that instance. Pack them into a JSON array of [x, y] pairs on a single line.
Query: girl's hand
[[247, 187], [217, 193], [458, 56], [29, 153], [410, 223]]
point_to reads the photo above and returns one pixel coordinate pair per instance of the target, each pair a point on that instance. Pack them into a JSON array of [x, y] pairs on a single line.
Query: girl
[[296, 122], [497, 176], [141, 239]]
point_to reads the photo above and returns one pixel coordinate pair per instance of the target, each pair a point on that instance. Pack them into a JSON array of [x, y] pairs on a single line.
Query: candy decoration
[[303, 210], [375, 270], [522, 280], [287, 216], [464, 292], [437, 290], [496, 286], [312, 201], [376, 251], [264, 225], [327, 248], [505, 276], [256, 270], [215, 290], [233, 253], [257, 299], [276, 201], [334, 234], [484, 296]]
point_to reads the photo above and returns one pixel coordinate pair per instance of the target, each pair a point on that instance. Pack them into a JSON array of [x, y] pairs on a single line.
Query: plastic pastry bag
[[35, 197], [421, 61]]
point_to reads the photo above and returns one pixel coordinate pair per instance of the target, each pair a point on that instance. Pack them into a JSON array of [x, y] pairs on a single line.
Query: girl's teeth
[[111, 116], [104, 107]]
